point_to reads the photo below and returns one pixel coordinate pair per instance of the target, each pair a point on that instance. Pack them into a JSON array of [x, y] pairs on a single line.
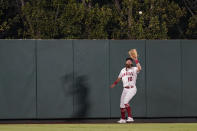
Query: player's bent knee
[[122, 106], [122, 110], [126, 105]]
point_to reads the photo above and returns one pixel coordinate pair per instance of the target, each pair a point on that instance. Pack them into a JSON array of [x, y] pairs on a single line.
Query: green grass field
[[100, 127]]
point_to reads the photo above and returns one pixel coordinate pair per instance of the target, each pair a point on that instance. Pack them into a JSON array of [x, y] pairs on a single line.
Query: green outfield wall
[[57, 79]]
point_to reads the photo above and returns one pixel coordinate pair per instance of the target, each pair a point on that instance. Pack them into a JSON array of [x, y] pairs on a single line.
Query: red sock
[[128, 108], [122, 110]]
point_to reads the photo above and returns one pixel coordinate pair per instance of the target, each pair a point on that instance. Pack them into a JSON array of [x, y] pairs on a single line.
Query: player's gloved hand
[[133, 54]]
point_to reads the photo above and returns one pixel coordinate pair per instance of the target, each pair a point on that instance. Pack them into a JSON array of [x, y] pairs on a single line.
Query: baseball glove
[[133, 54]]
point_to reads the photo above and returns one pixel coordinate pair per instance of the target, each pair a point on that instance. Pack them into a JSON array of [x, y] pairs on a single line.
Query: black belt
[[128, 87]]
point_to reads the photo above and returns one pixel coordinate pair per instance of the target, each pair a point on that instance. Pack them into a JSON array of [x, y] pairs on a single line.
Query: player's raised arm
[[138, 65], [133, 54], [115, 83]]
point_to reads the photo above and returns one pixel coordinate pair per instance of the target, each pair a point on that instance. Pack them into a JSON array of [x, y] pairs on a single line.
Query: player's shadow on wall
[[79, 90], [82, 93]]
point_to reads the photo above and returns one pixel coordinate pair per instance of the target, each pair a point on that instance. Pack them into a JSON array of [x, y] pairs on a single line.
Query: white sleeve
[[120, 75], [136, 69]]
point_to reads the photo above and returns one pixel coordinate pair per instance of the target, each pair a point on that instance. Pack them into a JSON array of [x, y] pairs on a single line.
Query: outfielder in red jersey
[[128, 76]]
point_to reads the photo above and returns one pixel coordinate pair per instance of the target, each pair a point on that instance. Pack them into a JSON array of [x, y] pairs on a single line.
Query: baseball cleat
[[122, 121], [130, 119]]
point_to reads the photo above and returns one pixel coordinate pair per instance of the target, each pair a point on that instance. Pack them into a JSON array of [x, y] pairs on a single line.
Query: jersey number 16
[[130, 79]]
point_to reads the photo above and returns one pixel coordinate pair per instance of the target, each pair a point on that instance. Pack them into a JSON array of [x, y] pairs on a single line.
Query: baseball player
[[128, 76]]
